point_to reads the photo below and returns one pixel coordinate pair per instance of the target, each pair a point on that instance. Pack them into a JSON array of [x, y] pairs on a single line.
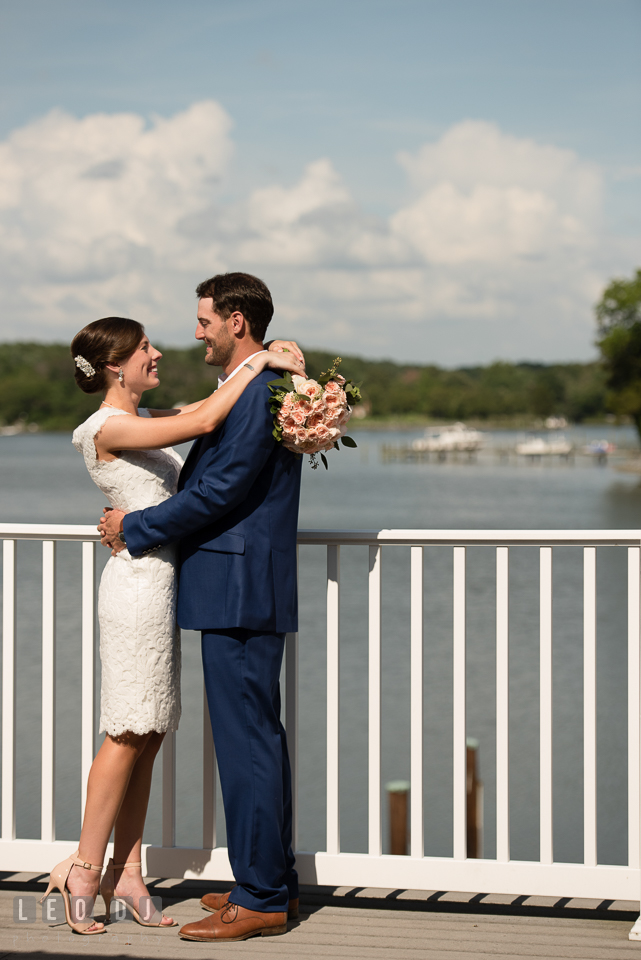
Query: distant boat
[[599, 448], [456, 438], [541, 447], [556, 423], [19, 427]]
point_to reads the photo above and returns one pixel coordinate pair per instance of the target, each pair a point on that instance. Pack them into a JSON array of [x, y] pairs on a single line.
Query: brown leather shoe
[[216, 901], [235, 923]]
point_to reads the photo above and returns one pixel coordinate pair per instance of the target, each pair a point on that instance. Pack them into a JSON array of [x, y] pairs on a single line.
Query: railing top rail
[[492, 537], [48, 531], [632, 538]]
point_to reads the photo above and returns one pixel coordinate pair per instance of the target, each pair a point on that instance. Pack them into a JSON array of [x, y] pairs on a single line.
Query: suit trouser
[[242, 671]]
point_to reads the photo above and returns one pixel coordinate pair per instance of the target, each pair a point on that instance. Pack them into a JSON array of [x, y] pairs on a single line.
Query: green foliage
[[620, 304], [574, 390], [619, 319], [37, 385]]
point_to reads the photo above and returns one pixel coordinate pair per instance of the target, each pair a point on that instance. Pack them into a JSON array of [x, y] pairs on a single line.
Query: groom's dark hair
[[242, 292]]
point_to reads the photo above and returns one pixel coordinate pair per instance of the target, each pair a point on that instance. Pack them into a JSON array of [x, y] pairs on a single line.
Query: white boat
[[599, 448], [456, 438], [556, 423], [541, 447]]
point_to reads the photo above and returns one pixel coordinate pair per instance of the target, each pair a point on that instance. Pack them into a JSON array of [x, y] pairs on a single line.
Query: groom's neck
[[244, 348]]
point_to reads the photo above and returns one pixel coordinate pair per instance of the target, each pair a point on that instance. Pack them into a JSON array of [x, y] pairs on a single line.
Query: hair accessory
[[85, 366], [121, 376]]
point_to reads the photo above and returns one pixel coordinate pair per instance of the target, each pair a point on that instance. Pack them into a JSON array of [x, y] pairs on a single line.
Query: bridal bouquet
[[311, 416]]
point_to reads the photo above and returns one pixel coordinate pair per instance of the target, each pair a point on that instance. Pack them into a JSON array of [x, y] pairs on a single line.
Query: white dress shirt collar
[[224, 377]]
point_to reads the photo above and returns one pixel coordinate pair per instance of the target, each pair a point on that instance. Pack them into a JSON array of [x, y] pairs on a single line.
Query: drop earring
[[121, 376]]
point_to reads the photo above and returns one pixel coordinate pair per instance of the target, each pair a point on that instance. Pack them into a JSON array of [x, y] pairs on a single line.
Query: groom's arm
[[236, 461]]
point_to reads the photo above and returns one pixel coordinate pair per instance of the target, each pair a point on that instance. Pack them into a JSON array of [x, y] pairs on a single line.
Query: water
[[43, 479]]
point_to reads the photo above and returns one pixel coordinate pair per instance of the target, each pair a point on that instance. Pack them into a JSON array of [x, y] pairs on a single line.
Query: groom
[[235, 520]]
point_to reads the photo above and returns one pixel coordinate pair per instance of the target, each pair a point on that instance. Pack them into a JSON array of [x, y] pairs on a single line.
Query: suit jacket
[[235, 517]]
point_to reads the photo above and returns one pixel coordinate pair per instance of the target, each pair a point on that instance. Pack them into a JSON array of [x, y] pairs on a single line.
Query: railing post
[[502, 707], [634, 719], [333, 691], [169, 790], [545, 704], [589, 707], [374, 846], [209, 780], [8, 689], [291, 723], [87, 734], [459, 718], [47, 809], [416, 702]]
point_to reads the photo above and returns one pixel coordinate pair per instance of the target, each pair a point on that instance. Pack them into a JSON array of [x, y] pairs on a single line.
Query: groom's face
[[215, 333]]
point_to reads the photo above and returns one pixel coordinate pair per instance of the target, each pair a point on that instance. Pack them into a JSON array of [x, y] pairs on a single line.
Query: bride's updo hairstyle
[[111, 340]]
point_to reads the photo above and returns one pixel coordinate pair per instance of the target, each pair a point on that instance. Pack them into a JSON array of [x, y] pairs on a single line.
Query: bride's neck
[[122, 400]]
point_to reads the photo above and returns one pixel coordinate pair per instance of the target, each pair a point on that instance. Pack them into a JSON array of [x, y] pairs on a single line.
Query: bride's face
[[140, 370]]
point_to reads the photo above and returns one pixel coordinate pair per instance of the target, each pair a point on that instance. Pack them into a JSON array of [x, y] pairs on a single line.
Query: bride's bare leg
[[109, 779], [130, 823]]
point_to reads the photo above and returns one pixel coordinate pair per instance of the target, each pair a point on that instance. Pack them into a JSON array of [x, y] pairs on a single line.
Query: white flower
[[307, 388]]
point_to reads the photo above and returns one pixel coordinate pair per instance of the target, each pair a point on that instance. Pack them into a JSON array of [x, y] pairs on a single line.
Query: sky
[[431, 181]]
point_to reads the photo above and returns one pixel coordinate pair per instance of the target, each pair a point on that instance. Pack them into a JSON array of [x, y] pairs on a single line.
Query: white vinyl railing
[[416, 871]]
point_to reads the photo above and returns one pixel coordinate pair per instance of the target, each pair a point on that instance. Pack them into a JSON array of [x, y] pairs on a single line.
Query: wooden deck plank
[[339, 933]]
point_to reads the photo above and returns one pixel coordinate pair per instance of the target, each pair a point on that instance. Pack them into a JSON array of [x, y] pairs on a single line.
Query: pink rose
[[314, 419], [323, 432], [336, 399], [318, 404], [301, 435], [332, 387]]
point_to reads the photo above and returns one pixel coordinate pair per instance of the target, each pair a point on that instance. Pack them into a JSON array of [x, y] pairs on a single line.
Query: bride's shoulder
[[87, 430]]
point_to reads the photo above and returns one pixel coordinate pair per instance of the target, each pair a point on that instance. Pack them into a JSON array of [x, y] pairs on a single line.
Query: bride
[[127, 451]]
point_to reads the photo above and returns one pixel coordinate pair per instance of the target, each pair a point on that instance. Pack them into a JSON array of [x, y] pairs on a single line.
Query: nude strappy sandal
[[108, 886], [58, 881]]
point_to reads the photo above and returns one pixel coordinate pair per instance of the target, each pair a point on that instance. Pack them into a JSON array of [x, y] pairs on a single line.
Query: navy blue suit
[[235, 518]]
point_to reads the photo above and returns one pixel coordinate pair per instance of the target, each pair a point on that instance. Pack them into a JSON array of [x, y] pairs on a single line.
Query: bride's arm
[[143, 433], [275, 346]]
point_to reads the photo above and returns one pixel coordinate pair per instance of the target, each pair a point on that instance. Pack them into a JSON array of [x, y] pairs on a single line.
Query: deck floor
[[335, 932]]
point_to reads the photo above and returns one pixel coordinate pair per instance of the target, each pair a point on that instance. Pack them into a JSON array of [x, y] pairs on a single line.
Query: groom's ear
[[238, 324]]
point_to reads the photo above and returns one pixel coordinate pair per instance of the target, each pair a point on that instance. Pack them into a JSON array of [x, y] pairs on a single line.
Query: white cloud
[[498, 252]]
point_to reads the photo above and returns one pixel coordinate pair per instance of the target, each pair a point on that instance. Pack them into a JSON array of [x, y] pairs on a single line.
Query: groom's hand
[[109, 528]]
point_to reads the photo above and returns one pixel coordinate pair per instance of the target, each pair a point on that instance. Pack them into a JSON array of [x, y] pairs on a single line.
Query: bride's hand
[[282, 346], [282, 361]]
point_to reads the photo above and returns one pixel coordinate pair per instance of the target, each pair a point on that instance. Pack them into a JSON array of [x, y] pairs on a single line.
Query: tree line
[[37, 385]]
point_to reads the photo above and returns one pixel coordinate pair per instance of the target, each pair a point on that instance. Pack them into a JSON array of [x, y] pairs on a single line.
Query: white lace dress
[[139, 639]]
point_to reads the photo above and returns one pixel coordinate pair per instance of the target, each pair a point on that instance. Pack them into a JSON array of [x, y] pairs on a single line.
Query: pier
[[370, 903]]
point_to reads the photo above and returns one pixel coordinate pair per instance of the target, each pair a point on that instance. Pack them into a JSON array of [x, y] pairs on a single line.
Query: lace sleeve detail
[[84, 436]]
